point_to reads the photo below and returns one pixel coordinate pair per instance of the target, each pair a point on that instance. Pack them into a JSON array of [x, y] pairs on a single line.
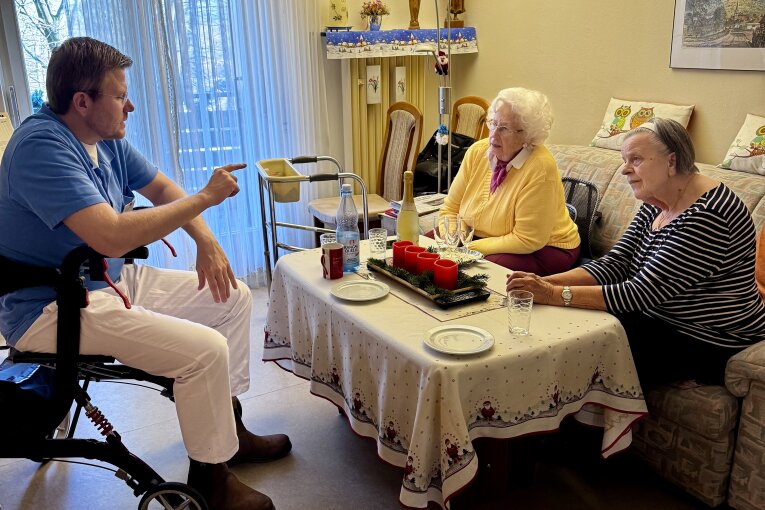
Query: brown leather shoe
[[222, 489], [254, 448]]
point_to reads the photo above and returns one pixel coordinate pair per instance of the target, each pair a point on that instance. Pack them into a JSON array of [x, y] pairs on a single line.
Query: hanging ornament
[[442, 67], [442, 135]]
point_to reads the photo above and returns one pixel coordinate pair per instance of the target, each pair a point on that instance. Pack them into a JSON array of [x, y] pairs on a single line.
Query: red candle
[[425, 261], [445, 274], [398, 252], [410, 257]]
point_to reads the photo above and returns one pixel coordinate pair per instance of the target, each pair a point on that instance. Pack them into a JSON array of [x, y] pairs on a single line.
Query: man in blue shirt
[[67, 178]]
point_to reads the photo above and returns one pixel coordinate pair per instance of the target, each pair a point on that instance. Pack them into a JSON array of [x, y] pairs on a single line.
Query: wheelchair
[[40, 389]]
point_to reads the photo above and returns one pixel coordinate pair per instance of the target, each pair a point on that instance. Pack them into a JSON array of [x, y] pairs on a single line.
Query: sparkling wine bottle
[[408, 222]]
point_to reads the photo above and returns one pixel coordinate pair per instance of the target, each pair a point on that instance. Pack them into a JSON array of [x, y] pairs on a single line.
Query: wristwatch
[[566, 295]]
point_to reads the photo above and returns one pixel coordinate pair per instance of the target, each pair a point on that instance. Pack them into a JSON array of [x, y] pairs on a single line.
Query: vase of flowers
[[374, 10]]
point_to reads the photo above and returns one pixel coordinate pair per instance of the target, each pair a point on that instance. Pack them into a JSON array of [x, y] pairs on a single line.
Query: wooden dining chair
[[403, 134], [470, 117]]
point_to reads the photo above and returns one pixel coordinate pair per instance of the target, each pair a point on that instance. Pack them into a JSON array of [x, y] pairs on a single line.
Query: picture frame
[[374, 85], [718, 39], [400, 81]]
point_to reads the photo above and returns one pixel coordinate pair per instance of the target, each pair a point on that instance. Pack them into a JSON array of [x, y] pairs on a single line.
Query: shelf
[[395, 43]]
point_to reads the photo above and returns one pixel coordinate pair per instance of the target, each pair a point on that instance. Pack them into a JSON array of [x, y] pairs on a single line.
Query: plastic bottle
[[408, 221], [348, 229]]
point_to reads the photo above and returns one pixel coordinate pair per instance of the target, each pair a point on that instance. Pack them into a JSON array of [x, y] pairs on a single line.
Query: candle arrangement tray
[[444, 300]]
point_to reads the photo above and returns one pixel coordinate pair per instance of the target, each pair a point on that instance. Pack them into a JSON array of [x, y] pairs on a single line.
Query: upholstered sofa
[[709, 440]]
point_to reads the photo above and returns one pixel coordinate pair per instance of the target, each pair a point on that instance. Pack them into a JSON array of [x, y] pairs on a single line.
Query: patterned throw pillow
[[747, 152], [622, 115]]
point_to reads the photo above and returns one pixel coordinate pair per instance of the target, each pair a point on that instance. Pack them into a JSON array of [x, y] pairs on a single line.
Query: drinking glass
[[329, 237], [446, 232], [378, 238], [519, 304], [467, 229], [438, 232], [452, 233]]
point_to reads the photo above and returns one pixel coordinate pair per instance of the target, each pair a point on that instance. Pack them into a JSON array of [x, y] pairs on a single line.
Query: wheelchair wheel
[[172, 496]]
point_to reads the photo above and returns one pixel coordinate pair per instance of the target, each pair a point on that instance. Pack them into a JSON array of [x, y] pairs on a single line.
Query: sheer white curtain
[[216, 82]]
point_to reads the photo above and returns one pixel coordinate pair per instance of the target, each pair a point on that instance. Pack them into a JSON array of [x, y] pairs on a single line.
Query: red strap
[[172, 250], [111, 284]]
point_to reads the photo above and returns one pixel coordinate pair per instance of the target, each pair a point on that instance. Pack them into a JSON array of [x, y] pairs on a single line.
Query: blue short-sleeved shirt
[[45, 176]]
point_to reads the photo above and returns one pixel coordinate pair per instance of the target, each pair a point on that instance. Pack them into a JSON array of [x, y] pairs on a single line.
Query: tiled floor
[[330, 467]]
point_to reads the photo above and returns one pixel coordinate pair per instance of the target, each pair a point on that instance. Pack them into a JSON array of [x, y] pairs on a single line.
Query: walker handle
[[322, 177], [298, 160]]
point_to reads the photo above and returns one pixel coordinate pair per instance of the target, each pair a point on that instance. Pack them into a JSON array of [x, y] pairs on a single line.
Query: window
[[213, 81], [42, 25]]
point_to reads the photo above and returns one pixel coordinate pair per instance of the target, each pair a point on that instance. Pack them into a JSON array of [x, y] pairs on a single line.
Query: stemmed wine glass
[[448, 231], [438, 232], [466, 229]]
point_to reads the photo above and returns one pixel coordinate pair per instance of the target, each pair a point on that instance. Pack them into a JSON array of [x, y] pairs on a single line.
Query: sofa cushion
[[744, 368], [699, 465], [622, 115], [747, 152], [747, 478], [749, 188], [710, 411], [591, 164]]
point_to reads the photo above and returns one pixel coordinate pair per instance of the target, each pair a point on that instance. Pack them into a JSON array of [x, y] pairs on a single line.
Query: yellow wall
[[580, 53]]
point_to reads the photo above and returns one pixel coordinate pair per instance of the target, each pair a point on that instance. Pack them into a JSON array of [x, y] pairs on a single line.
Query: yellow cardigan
[[526, 213]]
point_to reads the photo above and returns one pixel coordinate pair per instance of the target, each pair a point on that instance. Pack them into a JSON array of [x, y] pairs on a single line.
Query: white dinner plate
[[360, 290], [461, 255], [459, 339]]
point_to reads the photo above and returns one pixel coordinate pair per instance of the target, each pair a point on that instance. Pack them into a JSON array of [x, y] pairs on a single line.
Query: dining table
[[387, 357]]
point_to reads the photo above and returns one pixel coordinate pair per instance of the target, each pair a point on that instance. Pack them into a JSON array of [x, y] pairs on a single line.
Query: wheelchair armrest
[[142, 252], [45, 358]]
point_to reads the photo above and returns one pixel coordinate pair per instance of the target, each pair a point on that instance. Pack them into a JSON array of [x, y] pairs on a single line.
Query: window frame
[[14, 87]]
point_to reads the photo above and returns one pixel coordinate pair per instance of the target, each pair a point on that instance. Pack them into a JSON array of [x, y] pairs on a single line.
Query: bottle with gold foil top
[[408, 222]]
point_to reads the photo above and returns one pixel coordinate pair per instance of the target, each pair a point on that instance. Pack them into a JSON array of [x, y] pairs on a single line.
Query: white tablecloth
[[424, 408]]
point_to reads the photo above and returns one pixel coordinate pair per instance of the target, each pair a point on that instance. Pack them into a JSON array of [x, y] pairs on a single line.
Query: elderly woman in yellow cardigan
[[510, 188]]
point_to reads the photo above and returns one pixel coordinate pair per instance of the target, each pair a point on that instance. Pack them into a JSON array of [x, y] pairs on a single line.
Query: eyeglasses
[[502, 129], [123, 97]]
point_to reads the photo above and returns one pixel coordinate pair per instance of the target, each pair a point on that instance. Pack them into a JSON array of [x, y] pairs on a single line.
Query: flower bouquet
[[374, 10]]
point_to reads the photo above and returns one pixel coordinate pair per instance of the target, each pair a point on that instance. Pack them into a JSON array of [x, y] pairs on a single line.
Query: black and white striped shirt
[[696, 273]]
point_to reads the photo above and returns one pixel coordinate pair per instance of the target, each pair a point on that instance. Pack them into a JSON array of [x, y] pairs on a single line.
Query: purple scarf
[[498, 175]]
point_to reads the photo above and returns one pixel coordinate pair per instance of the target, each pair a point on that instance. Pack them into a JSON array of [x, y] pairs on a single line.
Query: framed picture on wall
[[718, 34], [374, 85]]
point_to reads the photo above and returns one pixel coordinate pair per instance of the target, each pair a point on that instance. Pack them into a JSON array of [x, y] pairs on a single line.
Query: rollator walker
[[280, 181], [37, 390]]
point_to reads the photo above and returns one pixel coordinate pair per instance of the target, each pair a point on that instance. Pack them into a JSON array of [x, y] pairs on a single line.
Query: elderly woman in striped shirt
[[681, 279]]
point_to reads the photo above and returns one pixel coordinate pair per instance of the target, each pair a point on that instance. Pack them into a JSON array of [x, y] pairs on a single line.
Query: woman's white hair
[[532, 107]]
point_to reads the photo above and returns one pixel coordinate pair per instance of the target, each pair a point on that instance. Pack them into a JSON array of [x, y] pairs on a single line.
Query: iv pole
[[444, 91], [445, 99]]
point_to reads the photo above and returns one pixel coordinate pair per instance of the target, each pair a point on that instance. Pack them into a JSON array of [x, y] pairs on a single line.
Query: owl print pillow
[[622, 115], [747, 152]]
